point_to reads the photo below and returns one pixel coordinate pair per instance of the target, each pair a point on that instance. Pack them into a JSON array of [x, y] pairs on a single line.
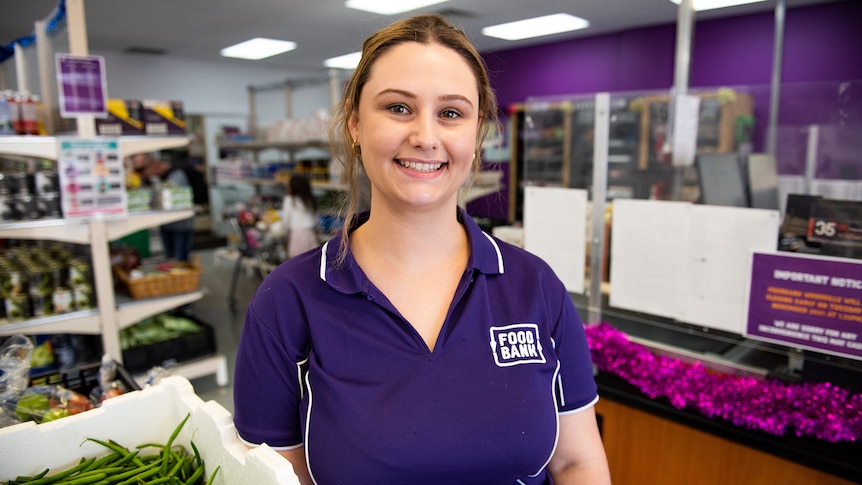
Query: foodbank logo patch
[[516, 344]]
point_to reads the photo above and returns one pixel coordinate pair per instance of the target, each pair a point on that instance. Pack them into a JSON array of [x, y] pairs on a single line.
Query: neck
[[412, 239]]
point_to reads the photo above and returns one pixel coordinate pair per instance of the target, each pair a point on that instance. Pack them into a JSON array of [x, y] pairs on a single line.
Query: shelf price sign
[[836, 221], [92, 177]]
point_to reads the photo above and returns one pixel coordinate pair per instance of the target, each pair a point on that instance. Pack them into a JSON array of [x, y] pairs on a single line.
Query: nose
[[424, 133]]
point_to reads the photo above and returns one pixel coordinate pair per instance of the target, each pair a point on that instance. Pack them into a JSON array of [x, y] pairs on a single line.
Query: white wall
[[205, 87], [216, 90]]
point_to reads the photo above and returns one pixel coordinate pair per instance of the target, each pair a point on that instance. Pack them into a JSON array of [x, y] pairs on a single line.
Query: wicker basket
[[163, 284]]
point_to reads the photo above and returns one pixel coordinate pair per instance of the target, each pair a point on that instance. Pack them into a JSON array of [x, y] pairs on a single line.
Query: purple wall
[[821, 43], [821, 46]]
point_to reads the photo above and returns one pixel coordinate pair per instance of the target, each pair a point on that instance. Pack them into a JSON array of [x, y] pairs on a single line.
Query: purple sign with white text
[[81, 85], [805, 301]]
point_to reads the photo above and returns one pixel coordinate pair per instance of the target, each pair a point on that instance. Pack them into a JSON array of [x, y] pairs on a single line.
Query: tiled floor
[[214, 309]]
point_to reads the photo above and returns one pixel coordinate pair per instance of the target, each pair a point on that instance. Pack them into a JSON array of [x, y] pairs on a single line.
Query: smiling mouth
[[420, 167]]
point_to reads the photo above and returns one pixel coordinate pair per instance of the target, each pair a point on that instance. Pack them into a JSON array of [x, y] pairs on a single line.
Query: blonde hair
[[424, 29]]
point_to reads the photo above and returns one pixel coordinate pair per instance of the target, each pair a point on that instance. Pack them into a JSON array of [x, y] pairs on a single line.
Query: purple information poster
[[81, 85], [805, 301]]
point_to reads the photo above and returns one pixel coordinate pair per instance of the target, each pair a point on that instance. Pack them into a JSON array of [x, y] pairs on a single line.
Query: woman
[[299, 215], [413, 347]]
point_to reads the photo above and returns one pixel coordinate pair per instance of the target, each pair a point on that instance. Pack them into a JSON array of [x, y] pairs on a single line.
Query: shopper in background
[[299, 216], [176, 236], [413, 347]]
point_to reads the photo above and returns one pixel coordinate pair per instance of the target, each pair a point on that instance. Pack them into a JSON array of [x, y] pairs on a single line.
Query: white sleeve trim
[[582, 408], [276, 448]]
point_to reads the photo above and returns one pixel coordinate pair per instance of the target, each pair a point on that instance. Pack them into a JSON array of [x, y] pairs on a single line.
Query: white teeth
[[421, 167]]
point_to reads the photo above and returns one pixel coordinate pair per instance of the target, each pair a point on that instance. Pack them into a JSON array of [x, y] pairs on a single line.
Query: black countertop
[[843, 459]]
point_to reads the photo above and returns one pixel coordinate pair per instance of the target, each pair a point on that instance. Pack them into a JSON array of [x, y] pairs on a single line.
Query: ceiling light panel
[[258, 48], [347, 61], [713, 4], [536, 27], [390, 7]]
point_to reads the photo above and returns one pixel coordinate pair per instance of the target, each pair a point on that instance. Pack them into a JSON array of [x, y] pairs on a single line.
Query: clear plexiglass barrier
[[701, 226]]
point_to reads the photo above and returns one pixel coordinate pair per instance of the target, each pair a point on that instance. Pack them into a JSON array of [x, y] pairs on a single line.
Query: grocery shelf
[[75, 231], [97, 232], [130, 313], [193, 369], [259, 145], [85, 322], [47, 147]]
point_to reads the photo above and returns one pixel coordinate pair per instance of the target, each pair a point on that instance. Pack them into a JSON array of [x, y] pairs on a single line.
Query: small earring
[[357, 150]]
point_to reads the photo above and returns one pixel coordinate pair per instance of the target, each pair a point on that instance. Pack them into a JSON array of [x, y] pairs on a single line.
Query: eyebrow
[[408, 94]]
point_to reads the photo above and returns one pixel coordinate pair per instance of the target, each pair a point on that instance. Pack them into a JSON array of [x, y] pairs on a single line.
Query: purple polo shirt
[[326, 361]]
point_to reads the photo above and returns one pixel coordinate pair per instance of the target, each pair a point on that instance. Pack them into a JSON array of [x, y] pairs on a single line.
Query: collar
[[485, 256]]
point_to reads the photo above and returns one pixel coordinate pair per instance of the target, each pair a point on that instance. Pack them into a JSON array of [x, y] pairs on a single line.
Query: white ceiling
[[323, 28]]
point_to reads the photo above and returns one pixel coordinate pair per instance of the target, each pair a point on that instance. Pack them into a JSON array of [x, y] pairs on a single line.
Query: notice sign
[[805, 301], [92, 177], [81, 86]]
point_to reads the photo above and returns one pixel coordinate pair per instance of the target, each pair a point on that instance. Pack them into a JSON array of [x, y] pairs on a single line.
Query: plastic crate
[[81, 379], [173, 351], [146, 416]]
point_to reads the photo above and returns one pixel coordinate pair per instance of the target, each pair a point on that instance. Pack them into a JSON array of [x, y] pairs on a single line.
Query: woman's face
[[417, 123]]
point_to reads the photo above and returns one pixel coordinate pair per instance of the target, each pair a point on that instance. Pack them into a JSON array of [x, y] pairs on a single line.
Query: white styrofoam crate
[[138, 417]]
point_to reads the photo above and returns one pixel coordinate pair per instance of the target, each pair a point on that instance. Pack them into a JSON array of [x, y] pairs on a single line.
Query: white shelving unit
[[110, 316]]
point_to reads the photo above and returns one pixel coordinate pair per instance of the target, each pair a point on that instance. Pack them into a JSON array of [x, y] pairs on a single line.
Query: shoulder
[[293, 279], [518, 260]]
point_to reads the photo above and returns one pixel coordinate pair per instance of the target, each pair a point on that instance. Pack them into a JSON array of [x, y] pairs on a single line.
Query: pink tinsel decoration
[[808, 409]]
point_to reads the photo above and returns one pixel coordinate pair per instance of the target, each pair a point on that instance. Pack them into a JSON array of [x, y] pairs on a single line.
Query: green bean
[[174, 435], [198, 473], [113, 446], [45, 480], [85, 480], [212, 477], [104, 461], [133, 472], [140, 476]]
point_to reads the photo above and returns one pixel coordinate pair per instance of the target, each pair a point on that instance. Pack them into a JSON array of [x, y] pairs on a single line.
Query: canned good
[[22, 183], [42, 304], [25, 207], [63, 300], [83, 296], [46, 182], [11, 281], [59, 272], [17, 307], [7, 186], [39, 280], [48, 206], [79, 273], [7, 208]]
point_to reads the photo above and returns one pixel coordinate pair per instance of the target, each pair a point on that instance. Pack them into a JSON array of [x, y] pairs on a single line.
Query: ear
[[353, 126]]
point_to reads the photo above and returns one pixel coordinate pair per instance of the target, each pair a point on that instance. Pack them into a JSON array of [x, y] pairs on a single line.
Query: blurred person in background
[[156, 173]]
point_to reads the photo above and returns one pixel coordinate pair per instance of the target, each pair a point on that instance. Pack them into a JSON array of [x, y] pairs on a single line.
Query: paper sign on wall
[[685, 125]]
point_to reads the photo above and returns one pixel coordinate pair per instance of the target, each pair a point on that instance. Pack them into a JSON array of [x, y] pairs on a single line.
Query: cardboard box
[[125, 117], [163, 117], [138, 417]]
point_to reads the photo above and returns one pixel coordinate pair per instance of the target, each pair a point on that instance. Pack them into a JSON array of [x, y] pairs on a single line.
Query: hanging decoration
[[821, 410], [56, 21]]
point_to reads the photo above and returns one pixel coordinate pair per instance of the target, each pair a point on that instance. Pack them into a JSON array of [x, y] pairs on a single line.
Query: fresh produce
[[148, 463], [49, 402]]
